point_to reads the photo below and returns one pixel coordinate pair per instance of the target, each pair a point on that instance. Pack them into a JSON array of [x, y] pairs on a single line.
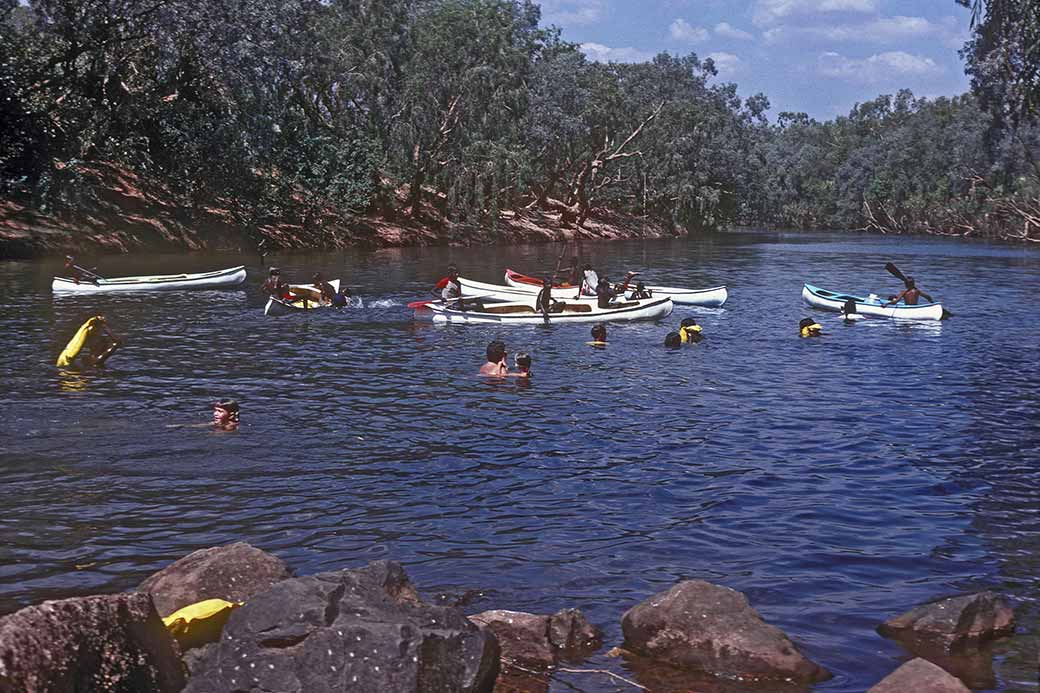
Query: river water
[[836, 481]]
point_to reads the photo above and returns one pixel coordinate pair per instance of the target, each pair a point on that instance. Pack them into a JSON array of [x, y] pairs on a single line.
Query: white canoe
[[831, 300], [522, 313], [233, 276], [308, 297], [710, 298]]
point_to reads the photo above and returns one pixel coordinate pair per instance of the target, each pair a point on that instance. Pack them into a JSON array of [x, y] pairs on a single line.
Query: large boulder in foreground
[[705, 627], [349, 630], [919, 676], [114, 643], [955, 622], [234, 572]]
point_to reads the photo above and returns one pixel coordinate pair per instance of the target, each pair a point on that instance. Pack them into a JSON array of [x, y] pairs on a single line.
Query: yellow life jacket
[[199, 623], [686, 334], [75, 344], [807, 331]]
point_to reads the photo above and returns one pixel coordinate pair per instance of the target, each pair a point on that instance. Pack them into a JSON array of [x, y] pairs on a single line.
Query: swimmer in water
[[672, 339], [689, 331], [599, 335], [225, 415], [809, 328]]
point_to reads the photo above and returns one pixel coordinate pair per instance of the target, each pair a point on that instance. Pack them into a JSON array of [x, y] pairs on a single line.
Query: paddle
[[422, 304]]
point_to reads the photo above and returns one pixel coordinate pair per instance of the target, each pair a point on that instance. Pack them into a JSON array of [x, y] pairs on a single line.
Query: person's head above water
[[225, 414], [849, 307], [690, 322], [522, 360], [672, 339], [599, 332], [808, 327], [496, 351]]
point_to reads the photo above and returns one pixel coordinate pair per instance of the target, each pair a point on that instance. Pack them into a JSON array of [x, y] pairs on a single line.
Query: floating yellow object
[[199, 623], [75, 344]]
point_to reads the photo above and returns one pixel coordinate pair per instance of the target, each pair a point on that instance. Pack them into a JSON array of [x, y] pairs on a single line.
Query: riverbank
[[126, 214], [235, 617]]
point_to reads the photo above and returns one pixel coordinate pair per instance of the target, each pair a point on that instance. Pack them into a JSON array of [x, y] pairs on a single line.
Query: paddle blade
[[419, 304], [894, 271]]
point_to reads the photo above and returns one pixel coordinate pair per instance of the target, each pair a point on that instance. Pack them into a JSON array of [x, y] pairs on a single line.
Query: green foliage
[[310, 110]]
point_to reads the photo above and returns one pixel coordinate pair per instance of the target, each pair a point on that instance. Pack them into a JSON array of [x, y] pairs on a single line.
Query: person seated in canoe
[[620, 289], [599, 335], [689, 331], [605, 294], [910, 295], [225, 415], [327, 291], [77, 273], [849, 313], [672, 339], [641, 292], [809, 328], [96, 337], [438, 288], [342, 298], [274, 285], [589, 280], [573, 273]]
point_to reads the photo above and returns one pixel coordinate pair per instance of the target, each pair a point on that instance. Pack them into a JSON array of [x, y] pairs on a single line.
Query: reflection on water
[[837, 481]]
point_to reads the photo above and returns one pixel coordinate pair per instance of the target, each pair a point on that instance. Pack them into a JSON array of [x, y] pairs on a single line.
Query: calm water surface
[[836, 481]]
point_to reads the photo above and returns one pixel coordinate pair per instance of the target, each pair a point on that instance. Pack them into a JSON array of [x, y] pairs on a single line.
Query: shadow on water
[[836, 481]]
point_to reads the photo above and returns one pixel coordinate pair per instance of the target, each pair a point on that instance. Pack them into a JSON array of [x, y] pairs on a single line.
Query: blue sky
[[817, 56]]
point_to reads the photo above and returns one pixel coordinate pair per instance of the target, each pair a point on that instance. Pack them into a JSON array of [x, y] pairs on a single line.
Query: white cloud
[[566, 13], [605, 54], [769, 12], [880, 30], [681, 30], [726, 30], [876, 68], [727, 63]]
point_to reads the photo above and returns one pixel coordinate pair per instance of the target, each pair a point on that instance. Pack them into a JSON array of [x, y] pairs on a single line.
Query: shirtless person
[[910, 294], [496, 362], [274, 286]]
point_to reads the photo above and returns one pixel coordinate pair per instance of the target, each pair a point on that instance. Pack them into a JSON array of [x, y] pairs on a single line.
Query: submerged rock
[[234, 572], [114, 643], [919, 676], [349, 630], [956, 622], [705, 627]]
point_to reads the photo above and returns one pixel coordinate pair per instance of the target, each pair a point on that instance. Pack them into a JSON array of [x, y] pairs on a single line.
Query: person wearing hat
[[910, 294], [225, 415], [274, 285], [809, 328], [689, 331]]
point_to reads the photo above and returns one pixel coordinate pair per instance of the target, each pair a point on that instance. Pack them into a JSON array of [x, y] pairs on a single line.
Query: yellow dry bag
[[75, 344]]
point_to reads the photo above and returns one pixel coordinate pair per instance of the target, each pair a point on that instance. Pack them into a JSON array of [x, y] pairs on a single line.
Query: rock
[[114, 643], [523, 637], [234, 572], [701, 626], [955, 622], [572, 636], [919, 676], [349, 630]]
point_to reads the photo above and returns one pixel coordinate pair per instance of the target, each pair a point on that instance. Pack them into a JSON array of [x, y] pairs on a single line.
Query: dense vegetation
[[465, 109]]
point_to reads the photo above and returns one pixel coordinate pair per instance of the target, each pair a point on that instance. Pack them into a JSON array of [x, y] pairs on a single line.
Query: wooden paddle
[[422, 304]]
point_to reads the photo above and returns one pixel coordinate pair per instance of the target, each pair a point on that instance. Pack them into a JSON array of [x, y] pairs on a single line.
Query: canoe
[[832, 300], [516, 294], [233, 276], [306, 297], [523, 313], [710, 298]]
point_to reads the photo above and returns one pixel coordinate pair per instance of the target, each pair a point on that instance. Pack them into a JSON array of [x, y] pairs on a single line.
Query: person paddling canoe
[[274, 285], [77, 273], [328, 293], [910, 295]]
